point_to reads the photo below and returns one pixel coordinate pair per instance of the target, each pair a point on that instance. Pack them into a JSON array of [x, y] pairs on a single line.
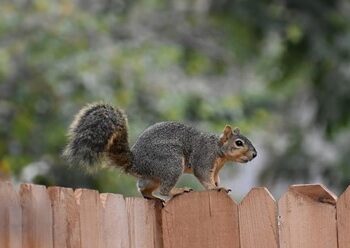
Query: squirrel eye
[[239, 143]]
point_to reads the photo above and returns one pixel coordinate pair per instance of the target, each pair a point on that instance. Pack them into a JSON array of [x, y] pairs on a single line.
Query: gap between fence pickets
[[343, 219], [143, 218]]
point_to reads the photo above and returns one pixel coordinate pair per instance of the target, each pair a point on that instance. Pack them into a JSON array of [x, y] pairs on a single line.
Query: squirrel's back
[[165, 144], [98, 130], [161, 134]]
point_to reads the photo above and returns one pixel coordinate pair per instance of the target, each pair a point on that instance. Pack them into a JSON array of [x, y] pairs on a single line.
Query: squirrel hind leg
[[147, 186], [168, 181]]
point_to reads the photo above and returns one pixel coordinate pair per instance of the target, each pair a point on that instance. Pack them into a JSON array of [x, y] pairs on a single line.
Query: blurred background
[[279, 70]]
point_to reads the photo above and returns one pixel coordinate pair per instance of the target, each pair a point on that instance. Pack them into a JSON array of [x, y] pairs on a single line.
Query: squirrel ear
[[236, 131], [226, 134]]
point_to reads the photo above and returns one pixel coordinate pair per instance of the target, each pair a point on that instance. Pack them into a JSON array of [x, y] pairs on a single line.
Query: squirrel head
[[236, 147]]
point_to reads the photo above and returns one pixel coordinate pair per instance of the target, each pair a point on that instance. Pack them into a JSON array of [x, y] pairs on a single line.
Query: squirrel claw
[[161, 201], [182, 191], [186, 189], [220, 189]]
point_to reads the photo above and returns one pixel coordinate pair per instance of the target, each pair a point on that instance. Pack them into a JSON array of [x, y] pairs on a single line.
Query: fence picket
[[10, 217], [144, 223], [114, 221], [36, 217], [199, 220], [258, 220], [66, 226], [343, 219], [88, 202], [308, 217]]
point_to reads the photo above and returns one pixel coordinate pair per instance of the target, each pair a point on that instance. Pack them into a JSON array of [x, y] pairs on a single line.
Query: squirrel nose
[[254, 154]]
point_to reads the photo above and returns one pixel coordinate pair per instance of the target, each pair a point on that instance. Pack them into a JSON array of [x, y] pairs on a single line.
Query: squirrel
[[161, 153]]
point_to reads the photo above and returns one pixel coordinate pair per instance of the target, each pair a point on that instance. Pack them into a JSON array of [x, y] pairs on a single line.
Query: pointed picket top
[[88, 202], [114, 221], [317, 192], [144, 222], [201, 219], [36, 216], [307, 217], [343, 219], [66, 225], [258, 192], [345, 195], [208, 193], [10, 216], [258, 219]]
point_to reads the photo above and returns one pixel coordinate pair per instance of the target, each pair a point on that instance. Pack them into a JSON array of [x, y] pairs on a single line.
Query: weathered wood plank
[[88, 202], [66, 226], [10, 217], [144, 223], [308, 217], [114, 221], [258, 220], [199, 220], [36, 217], [343, 219]]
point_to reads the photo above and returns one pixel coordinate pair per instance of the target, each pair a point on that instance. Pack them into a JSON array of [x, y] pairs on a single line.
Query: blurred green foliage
[[278, 69]]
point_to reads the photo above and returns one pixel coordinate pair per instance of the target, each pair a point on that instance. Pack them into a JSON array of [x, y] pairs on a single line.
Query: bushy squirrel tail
[[99, 132]]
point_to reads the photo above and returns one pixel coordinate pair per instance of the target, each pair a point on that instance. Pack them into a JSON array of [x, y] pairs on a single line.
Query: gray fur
[[163, 149], [90, 131], [160, 154]]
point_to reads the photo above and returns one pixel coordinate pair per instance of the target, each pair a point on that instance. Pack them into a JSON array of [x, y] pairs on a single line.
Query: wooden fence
[[306, 216]]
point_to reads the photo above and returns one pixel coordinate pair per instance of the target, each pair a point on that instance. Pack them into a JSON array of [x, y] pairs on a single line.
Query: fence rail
[[306, 216]]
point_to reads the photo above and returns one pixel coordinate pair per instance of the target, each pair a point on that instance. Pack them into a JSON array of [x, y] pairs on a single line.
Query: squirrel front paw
[[180, 191], [222, 189], [187, 189]]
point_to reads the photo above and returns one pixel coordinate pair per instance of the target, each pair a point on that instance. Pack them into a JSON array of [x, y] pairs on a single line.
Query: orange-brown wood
[[258, 220], [308, 217], [144, 223], [66, 226], [36, 217], [114, 221], [10, 217], [200, 220], [343, 219], [88, 202]]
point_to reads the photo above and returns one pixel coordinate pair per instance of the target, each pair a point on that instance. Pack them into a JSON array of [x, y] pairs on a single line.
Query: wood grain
[[114, 221], [10, 217], [308, 217], [66, 226], [258, 220], [36, 217], [199, 220], [343, 219], [144, 223], [88, 202]]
